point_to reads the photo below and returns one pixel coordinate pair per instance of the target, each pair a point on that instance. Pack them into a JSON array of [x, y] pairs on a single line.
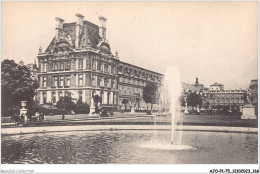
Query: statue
[[248, 109], [249, 96], [92, 107]]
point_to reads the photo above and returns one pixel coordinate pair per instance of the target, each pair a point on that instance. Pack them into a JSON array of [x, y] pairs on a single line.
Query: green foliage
[[66, 103], [149, 93], [125, 101], [97, 99], [81, 105], [182, 100], [194, 99], [17, 86]]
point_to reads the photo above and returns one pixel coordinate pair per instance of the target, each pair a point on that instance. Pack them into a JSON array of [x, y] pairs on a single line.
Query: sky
[[214, 41]]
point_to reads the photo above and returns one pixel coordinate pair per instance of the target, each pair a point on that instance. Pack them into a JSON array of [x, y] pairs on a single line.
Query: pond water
[[130, 147]]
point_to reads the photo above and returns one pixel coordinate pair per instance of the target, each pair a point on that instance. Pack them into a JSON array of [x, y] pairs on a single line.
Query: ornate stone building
[[217, 96], [79, 62]]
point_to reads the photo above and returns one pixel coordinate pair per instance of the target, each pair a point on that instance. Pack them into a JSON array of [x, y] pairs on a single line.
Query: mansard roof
[[89, 36], [216, 84]]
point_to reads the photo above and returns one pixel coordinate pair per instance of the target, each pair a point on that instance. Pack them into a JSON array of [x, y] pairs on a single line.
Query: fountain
[[170, 93], [172, 87]]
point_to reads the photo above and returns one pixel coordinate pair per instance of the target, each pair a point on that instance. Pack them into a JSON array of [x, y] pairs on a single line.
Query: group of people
[[24, 118]]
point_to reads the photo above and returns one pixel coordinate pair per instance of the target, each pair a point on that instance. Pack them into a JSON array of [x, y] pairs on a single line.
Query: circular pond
[[130, 147]]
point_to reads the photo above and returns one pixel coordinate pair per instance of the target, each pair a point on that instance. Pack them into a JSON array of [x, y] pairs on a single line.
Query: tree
[[194, 100], [81, 105], [150, 93], [17, 86], [66, 104], [124, 102]]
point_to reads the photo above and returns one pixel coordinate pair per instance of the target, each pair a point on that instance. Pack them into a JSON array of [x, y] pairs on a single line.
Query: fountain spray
[[171, 91]]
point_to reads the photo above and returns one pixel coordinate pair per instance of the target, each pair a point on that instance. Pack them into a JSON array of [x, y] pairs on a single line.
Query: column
[[76, 80], [84, 96], [111, 97], [84, 64], [48, 96], [76, 64], [41, 97], [88, 96], [57, 96], [105, 98]]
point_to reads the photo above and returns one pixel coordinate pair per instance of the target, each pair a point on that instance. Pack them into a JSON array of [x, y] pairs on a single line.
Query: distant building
[[33, 70], [217, 96], [196, 87]]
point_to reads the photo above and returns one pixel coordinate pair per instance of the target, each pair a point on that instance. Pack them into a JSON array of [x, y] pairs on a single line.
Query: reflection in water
[[128, 147]]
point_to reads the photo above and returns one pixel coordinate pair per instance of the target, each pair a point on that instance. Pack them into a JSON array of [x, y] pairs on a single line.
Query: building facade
[[79, 62], [217, 96]]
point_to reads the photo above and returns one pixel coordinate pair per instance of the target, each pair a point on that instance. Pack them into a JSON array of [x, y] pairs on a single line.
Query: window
[[112, 69], [54, 97], [55, 81], [62, 66], [80, 63], [99, 66], [61, 81], [108, 98], [112, 83], [93, 65], [68, 81], [55, 67], [44, 84], [101, 82], [106, 68], [88, 63], [67, 65], [80, 80], [44, 68], [98, 81], [44, 98], [93, 80]]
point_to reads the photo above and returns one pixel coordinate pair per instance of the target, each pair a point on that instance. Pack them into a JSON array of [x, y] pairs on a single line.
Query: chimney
[[40, 51], [59, 26], [79, 28], [102, 27]]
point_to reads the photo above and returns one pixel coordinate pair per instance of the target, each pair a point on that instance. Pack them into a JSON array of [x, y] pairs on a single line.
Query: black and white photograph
[[126, 83]]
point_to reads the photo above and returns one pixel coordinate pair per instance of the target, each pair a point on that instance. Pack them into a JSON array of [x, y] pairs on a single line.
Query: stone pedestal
[[132, 110], [23, 110], [92, 111], [248, 112], [186, 111]]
